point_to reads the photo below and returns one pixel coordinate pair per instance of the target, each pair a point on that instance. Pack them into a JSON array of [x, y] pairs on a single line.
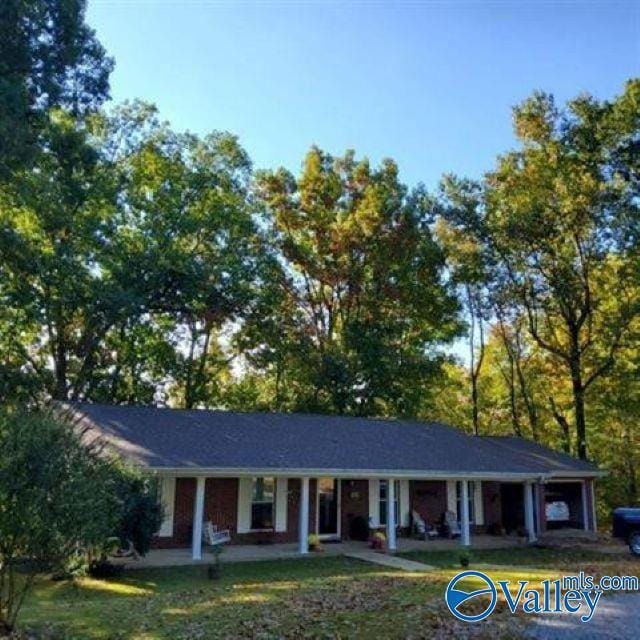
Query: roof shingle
[[194, 440]]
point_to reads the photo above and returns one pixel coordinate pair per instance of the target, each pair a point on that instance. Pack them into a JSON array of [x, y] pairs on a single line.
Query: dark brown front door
[[328, 507]]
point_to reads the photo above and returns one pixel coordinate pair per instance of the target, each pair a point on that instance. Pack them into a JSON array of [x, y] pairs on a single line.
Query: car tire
[[634, 543]]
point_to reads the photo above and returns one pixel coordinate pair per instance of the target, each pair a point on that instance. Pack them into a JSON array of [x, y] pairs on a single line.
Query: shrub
[[141, 514], [56, 497]]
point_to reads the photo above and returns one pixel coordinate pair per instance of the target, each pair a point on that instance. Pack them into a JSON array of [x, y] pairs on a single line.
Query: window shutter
[[167, 488], [374, 502], [245, 486], [281, 504], [403, 504], [477, 503], [452, 503]]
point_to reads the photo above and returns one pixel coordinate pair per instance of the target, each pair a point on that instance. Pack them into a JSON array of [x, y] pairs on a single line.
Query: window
[[383, 501], [262, 498], [472, 493]]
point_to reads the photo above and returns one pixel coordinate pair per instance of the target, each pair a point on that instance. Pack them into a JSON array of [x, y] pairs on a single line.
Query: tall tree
[[188, 233], [469, 268], [125, 233], [361, 303], [49, 58], [512, 336], [562, 216], [54, 221]]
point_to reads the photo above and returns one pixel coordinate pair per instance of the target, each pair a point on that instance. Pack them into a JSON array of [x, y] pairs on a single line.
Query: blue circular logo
[[455, 598]]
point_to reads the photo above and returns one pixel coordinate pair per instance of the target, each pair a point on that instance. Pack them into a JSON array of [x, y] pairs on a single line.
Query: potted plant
[[378, 540], [314, 542]]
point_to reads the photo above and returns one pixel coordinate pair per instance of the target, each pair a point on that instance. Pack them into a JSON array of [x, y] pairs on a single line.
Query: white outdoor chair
[[452, 524], [214, 537], [421, 528]]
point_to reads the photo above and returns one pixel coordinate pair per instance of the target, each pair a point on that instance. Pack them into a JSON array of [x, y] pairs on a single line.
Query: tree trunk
[[474, 402], [515, 416], [60, 391], [529, 403], [578, 403], [564, 426], [475, 313], [188, 383]]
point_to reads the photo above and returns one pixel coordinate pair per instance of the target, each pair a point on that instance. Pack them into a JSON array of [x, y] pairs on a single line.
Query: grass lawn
[[318, 597]]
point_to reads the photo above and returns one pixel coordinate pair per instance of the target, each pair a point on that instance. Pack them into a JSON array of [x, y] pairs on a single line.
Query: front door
[[328, 507]]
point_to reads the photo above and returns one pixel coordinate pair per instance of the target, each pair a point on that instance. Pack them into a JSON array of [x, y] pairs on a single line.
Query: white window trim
[[167, 498], [338, 534], [452, 498], [478, 507], [273, 506], [282, 485], [374, 503], [398, 500], [404, 504], [245, 487], [402, 498]]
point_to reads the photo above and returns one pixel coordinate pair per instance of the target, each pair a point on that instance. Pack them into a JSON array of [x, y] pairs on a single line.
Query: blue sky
[[430, 84]]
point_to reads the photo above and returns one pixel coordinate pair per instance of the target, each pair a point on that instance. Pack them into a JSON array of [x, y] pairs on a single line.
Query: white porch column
[[391, 515], [585, 509], [528, 511], [198, 515], [465, 537], [594, 518], [303, 525]]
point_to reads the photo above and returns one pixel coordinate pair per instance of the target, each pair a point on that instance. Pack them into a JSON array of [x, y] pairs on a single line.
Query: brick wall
[[429, 499], [291, 534], [182, 516], [492, 505], [221, 507], [221, 503]]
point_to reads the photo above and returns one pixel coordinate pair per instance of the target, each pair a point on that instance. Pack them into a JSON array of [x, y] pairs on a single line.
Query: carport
[[565, 505]]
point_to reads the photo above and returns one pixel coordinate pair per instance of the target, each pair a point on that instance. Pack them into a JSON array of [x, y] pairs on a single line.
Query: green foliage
[[49, 58], [352, 321], [141, 513], [129, 241], [556, 228], [143, 265], [55, 497], [62, 502]]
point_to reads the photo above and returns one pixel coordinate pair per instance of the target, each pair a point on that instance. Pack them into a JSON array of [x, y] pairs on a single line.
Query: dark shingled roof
[[529, 452], [196, 439]]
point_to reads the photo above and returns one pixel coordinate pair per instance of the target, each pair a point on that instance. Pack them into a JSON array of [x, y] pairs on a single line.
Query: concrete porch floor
[[245, 553]]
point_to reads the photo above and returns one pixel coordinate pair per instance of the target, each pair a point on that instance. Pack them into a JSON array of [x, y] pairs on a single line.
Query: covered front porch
[[157, 558], [273, 516]]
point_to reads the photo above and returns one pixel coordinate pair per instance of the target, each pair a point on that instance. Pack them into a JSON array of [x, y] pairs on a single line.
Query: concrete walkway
[[393, 562]]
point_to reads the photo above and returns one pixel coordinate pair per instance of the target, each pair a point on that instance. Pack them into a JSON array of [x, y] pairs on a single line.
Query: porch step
[[393, 562]]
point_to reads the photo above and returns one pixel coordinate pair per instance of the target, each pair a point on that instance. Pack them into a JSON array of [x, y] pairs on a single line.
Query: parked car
[[626, 525], [557, 511]]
